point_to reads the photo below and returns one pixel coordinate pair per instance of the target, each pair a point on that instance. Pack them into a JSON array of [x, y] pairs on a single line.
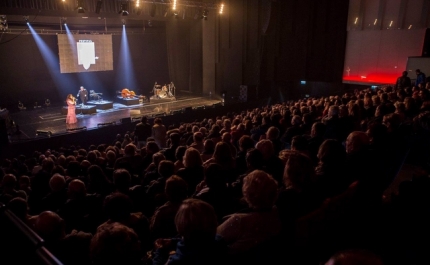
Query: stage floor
[[51, 119]]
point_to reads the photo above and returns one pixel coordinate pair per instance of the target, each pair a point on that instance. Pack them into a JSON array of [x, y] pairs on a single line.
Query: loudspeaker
[[426, 44], [99, 6], [126, 120]]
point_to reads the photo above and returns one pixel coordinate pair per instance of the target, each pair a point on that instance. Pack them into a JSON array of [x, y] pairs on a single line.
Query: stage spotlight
[[123, 21], [64, 21], [47, 102], [3, 23], [150, 23], [175, 13], [124, 9], [80, 6], [174, 5], [26, 20], [137, 3], [205, 14], [36, 105], [221, 9], [21, 106]]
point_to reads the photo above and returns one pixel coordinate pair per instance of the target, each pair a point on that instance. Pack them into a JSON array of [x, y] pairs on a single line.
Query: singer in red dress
[[71, 107]]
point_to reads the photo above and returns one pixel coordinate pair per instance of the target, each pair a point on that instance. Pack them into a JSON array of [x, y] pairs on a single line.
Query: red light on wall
[[385, 79]]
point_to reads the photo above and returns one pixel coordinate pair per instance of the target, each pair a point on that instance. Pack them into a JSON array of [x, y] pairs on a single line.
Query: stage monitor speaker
[[188, 109], [426, 44], [4, 139], [126, 120]]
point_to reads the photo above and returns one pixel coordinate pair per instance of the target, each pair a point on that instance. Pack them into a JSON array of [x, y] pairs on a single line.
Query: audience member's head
[[299, 172], [318, 129], [122, 180], [272, 133], [180, 152], [246, 143], [331, 152], [192, 158], [214, 176], [166, 168], [49, 226], [176, 189], [118, 207], [266, 148], [259, 190], [57, 183], [76, 189], [254, 159], [130, 150], [356, 142], [299, 143], [19, 207], [115, 244], [196, 221]]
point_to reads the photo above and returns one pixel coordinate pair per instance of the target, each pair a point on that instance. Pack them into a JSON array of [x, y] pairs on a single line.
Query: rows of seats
[[300, 182]]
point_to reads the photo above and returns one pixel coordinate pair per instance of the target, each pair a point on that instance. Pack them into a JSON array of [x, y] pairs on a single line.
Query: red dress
[[71, 115]]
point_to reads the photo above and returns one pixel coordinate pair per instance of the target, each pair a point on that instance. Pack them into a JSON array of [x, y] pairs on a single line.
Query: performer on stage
[[172, 89], [71, 107], [83, 95], [154, 90]]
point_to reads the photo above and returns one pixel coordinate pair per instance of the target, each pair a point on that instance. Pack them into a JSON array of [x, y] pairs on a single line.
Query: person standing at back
[[403, 81], [142, 131], [421, 78]]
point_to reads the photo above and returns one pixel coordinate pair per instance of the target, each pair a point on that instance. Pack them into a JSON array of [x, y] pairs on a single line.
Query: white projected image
[[86, 53]]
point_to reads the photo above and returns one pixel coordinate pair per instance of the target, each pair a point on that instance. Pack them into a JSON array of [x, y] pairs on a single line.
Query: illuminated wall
[[380, 56], [382, 34]]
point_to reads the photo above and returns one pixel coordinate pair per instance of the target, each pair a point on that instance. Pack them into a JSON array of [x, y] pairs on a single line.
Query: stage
[[52, 119]]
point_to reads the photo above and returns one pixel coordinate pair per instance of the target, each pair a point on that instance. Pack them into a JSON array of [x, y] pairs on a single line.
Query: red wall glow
[[380, 56]]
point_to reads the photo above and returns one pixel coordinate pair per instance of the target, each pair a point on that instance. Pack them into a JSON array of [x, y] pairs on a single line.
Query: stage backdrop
[[28, 77]]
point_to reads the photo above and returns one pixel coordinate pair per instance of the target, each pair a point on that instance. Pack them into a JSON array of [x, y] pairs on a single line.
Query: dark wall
[[27, 77], [305, 40], [184, 50]]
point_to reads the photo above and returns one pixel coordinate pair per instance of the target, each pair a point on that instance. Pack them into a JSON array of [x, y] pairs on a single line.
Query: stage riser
[[129, 102], [102, 106]]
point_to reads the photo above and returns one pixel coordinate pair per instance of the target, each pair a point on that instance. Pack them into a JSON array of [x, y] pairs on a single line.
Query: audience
[[301, 181]]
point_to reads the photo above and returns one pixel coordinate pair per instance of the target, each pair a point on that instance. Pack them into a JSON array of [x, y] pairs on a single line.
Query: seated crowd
[[300, 182]]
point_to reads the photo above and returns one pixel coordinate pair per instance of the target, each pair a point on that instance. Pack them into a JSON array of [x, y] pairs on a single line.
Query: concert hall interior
[[303, 125]]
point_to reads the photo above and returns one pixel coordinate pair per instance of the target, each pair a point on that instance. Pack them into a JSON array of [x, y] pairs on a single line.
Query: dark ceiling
[[48, 14]]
